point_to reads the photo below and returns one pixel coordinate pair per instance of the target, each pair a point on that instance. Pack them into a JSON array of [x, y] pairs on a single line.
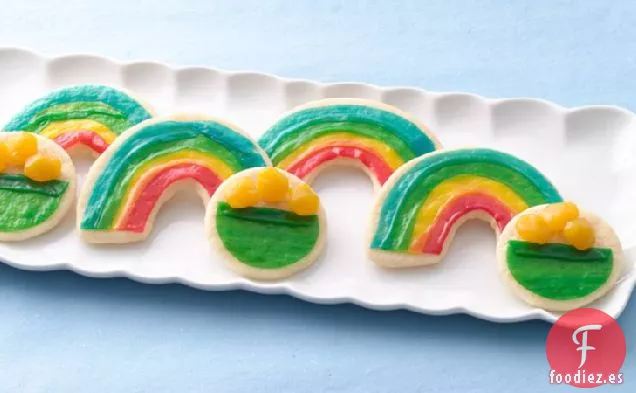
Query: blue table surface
[[60, 332]]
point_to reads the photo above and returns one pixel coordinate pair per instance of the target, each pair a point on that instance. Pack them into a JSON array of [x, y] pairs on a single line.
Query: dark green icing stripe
[[403, 201], [266, 238], [153, 141], [266, 215], [380, 124], [364, 130], [120, 101], [98, 112], [559, 271], [22, 184]]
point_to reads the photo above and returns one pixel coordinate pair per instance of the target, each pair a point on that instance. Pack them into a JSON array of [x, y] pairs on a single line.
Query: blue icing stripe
[[117, 99], [245, 151], [293, 124], [394, 206]]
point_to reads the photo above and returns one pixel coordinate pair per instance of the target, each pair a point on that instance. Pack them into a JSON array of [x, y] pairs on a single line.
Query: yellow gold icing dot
[[4, 156], [21, 147], [558, 214], [242, 193], [272, 185], [580, 234], [533, 228], [304, 201], [39, 167]]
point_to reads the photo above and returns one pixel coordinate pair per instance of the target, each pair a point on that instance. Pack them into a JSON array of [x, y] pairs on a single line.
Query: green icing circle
[[558, 271], [25, 204], [266, 238]]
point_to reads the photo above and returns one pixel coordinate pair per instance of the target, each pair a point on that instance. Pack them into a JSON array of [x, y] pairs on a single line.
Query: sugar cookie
[[87, 116], [558, 257], [149, 163], [420, 207], [37, 185], [373, 136], [266, 223]]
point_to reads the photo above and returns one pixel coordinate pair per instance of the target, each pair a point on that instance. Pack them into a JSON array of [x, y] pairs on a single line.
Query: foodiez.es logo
[[586, 348]]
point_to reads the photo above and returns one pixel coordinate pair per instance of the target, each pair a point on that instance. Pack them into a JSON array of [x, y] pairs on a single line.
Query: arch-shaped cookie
[[149, 163], [374, 136], [88, 116], [418, 210]]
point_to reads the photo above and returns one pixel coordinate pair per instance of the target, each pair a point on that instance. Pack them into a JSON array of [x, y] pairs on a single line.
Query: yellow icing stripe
[[390, 156], [58, 128], [449, 189], [146, 172]]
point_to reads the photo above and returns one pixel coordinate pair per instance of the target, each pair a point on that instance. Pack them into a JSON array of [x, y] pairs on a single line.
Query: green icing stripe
[[558, 271], [133, 111], [403, 201], [266, 238], [154, 141], [399, 132], [116, 121], [22, 184], [364, 130], [84, 106]]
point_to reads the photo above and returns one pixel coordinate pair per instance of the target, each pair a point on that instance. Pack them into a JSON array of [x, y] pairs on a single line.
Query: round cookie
[[37, 185], [559, 258], [266, 223]]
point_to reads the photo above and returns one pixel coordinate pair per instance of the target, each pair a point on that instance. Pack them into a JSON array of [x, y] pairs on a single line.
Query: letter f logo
[[583, 344]]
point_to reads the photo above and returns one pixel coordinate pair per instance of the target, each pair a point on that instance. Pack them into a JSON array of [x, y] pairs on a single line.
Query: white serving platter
[[589, 153]]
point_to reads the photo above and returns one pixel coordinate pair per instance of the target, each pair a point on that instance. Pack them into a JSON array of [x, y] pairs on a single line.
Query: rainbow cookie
[[559, 258], [375, 137], [420, 207], [266, 224], [37, 185], [90, 116], [149, 163]]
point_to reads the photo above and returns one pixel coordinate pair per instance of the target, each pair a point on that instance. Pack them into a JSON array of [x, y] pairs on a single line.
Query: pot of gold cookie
[[266, 224], [558, 257], [37, 185]]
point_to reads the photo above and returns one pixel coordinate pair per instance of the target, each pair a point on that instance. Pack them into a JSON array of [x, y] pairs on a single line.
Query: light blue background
[[63, 333]]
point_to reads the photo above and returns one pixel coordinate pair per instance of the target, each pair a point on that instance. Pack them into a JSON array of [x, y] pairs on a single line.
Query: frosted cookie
[[150, 163], [558, 257], [266, 223], [420, 207], [375, 137], [37, 185], [87, 116]]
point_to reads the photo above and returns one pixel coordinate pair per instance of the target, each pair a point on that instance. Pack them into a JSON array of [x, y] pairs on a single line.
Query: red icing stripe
[[86, 138], [433, 241], [316, 158], [138, 213]]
